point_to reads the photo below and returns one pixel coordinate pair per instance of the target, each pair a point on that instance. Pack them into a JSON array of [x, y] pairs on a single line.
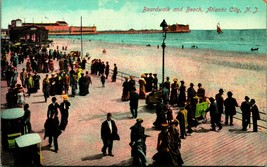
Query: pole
[[163, 56], [81, 37]]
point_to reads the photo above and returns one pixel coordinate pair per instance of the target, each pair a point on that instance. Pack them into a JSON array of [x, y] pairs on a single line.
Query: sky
[[138, 14]]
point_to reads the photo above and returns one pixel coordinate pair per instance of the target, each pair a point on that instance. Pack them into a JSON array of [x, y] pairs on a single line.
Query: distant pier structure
[[57, 28]]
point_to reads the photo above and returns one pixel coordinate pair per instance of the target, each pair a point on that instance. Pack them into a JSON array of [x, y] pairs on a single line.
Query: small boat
[[219, 30]]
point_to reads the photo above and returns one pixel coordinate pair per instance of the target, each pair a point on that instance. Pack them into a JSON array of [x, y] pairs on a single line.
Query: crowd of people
[[40, 60], [174, 94], [71, 75]]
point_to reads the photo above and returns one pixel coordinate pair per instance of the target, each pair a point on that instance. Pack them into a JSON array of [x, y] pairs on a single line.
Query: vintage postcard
[[183, 82]]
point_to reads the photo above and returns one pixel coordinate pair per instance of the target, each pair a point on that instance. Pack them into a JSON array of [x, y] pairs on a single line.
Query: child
[[103, 79]]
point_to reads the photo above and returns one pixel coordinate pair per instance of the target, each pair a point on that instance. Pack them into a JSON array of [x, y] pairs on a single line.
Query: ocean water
[[229, 40]]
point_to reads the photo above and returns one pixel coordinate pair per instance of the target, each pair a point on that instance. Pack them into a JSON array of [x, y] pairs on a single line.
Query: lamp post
[[164, 30]]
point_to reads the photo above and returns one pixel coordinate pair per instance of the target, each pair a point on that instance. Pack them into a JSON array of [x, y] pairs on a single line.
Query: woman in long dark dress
[[125, 91], [181, 97], [82, 85], [52, 83], [64, 110], [142, 89]]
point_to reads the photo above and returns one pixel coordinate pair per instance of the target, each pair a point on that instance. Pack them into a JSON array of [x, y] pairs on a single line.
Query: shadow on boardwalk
[[93, 157]]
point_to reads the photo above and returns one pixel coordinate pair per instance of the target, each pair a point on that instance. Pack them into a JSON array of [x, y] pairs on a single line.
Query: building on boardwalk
[[62, 28], [30, 33], [178, 28]]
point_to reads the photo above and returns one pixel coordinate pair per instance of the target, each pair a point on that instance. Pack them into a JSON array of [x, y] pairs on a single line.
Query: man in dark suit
[[245, 108], [219, 100], [134, 97], [230, 108], [115, 72], [52, 111], [108, 131]]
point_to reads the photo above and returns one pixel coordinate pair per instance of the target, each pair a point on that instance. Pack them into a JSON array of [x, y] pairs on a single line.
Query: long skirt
[[125, 95]]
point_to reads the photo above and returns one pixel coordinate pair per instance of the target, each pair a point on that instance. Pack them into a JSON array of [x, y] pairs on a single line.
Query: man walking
[[52, 131], [108, 131], [52, 111], [137, 143], [134, 97]]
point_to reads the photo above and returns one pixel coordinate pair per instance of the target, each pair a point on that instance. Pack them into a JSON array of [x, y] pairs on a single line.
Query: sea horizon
[[238, 40]]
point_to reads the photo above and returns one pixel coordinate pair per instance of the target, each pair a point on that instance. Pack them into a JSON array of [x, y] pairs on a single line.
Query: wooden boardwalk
[[80, 144]]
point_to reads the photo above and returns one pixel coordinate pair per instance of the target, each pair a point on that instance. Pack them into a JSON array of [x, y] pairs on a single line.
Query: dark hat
[[26, 106], [221, 90], [139, 120], [211, 99], [229, 93], [54, 99], [109, 114], [247, 98]]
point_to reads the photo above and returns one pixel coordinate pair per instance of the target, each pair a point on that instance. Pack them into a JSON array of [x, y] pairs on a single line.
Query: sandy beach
[[242, 73]]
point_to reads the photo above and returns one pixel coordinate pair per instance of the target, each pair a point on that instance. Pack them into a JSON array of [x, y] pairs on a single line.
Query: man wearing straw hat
[[64, 110]]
